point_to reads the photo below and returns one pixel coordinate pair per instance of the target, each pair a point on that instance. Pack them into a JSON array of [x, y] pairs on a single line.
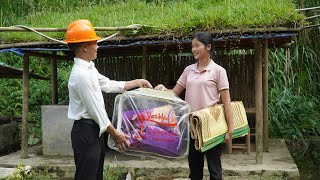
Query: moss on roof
[[183, 16]]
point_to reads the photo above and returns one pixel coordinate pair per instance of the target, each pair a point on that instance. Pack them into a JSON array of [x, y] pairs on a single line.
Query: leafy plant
[[115, 173], [294, 92]]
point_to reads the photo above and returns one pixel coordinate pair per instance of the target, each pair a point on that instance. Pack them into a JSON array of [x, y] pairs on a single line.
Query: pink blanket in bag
[[154, 130]]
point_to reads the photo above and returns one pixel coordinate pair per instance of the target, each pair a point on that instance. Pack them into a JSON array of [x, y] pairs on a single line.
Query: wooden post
[[288, 64], [301, 3], [258, 102], [168, 67], [25, 108], [144, 62], [54, 82], [265, 95]]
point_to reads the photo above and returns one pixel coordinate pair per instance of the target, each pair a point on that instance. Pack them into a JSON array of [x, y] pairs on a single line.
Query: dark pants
[[196, 162], [89, 150]]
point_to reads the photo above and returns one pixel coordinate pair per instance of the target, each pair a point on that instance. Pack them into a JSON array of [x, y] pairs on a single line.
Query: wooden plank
[[250, 110], [265, 95], [258, 102], [54, 81], [25, 108]]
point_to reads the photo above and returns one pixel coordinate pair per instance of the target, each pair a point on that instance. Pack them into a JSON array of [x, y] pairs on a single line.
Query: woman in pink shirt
[[205, 83]]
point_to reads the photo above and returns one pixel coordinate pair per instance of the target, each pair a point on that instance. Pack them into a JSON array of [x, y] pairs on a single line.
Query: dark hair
[[206, 39], [73, 47]]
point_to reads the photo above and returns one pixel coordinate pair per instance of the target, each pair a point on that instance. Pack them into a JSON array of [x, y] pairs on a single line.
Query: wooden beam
[[11, 72], [25, 108], [286, 45], [265, 95], [54, 82], [11, 118], [4, 46], [144, 62], [50, 56], [221, 31], [258, 102]]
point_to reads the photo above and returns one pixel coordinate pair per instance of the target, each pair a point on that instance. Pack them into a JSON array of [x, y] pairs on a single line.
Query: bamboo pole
[[307, 9], [54, 82], [144, 62], [25, 108], [312, 17], [311, 26], [258, 102], [20, 29], [265, 95]]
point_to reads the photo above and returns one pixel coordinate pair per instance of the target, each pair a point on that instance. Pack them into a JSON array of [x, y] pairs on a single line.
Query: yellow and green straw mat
[[209, 126]]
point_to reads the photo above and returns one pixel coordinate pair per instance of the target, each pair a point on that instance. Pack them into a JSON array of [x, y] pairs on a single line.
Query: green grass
[[162, 16]]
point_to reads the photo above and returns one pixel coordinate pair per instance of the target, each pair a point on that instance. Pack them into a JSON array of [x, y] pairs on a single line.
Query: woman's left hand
[[228, 137]]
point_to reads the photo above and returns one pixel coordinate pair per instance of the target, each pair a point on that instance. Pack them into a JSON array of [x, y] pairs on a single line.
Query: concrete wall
[[56, 130]]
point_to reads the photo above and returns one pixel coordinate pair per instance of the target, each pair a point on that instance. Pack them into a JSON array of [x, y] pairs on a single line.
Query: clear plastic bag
[[156, 122]]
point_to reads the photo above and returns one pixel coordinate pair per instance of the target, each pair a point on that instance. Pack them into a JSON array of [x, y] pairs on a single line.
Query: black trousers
[[196, 162], [88, 149]]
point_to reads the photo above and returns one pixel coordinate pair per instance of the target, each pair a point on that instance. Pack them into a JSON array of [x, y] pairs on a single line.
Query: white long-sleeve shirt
[[85, 93]]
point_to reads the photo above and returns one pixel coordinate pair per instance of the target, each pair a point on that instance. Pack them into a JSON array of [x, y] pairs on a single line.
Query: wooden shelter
[[161, 58], [25, 74]]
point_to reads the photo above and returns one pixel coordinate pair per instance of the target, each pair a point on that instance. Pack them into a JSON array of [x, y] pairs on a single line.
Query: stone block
[[9, 135], [56, 130]]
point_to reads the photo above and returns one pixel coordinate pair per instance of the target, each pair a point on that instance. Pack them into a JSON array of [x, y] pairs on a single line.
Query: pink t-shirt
[[202, 88]]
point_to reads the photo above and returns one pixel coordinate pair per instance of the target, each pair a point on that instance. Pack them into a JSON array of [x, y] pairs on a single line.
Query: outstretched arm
[[137, 83], [176, 90]]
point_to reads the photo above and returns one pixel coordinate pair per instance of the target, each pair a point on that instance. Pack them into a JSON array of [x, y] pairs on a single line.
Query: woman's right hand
[[161, 87]]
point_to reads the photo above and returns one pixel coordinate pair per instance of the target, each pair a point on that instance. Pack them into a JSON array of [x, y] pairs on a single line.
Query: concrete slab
[[6, 172], [277, 163]]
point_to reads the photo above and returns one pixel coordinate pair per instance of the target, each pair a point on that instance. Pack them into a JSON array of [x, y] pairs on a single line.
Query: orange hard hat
[[81, 31]]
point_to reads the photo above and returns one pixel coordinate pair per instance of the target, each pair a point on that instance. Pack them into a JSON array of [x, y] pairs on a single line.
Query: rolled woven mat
[[209, 126]]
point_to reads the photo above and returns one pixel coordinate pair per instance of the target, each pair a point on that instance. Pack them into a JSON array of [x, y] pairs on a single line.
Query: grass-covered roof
[[179, 16]]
